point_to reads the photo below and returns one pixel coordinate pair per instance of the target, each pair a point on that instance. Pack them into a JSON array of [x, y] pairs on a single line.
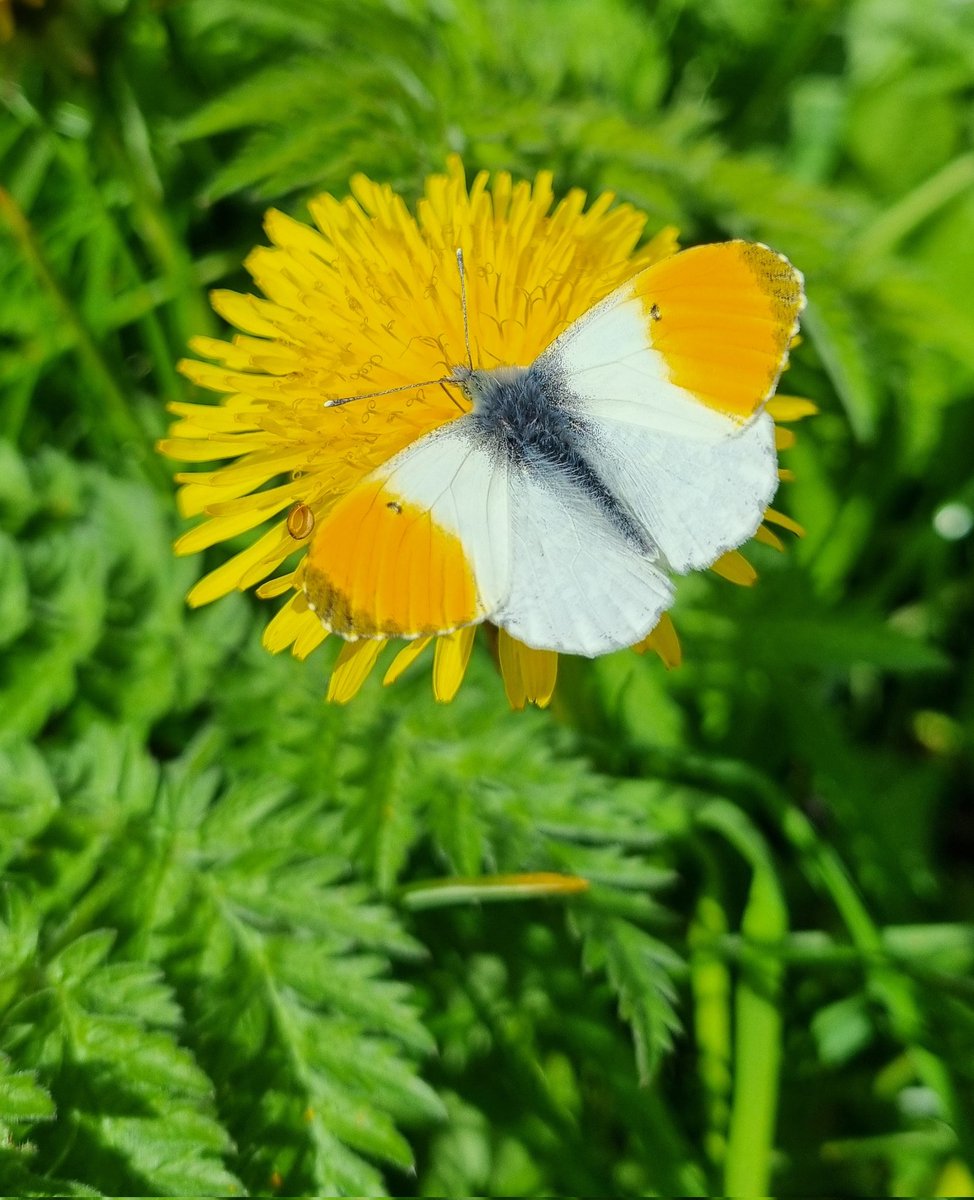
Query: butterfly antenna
[[406, 387], [463, 305]]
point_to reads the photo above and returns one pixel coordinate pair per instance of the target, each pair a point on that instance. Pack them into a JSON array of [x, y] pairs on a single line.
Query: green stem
[[758, 1019], [813, 948], [711, 985], [757, 1048], [820, 863]]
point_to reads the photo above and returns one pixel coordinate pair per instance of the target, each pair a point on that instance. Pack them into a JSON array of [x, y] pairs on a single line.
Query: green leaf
[[144, 1115], [22, 1099], [640, 970]]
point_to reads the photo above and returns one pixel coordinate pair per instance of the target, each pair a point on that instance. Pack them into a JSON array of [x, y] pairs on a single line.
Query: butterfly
[[635, 447]]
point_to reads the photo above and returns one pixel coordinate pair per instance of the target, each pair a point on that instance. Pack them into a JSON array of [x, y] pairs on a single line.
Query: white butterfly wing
[[696, 498], [670, 374], [578, 584], [420, 547]]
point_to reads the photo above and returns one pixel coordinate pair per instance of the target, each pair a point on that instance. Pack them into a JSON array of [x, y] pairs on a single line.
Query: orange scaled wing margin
[[382, 567], [723, 317]]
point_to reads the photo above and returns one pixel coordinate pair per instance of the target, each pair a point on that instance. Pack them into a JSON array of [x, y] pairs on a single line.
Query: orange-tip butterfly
[[635, 446]]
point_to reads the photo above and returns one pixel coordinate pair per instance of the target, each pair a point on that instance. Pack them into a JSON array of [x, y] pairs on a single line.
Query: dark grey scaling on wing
[[525, 415]]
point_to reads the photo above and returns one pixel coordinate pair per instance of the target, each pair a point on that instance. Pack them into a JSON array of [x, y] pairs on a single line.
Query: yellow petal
[[220, 529], [779, 518], [277, 587], [352, 667], [663, 641], [510, 663], [227, 577], [202, 488], [404, 659], [661, 245], [529, 675], [249, 313], [784, 439], [297, 237], [734, 567], [312, 634], [286, 625], [790, 408], [228, 417], [450, 662], [765, 535], [202, 449], [224, 353]]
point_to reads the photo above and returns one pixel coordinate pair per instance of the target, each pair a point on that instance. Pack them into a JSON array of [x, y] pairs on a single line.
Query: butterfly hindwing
[[695, 497], [580, 582]]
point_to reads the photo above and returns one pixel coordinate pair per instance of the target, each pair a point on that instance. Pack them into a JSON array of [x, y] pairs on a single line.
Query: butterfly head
[[482, 387]]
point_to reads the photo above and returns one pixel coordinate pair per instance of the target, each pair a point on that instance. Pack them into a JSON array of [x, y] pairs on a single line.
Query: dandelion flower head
[[370, 300]]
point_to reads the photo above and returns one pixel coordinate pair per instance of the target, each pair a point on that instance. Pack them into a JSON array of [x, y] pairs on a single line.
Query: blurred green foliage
[[245, 942]]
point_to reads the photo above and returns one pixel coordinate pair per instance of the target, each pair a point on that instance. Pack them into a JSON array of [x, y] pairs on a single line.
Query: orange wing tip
[[529, 675], [735, 568], [722, 318], [352, 667], [450, 661], [664, 641], [380, 566]]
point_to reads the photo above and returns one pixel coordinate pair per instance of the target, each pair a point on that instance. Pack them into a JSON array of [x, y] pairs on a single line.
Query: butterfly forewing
[[419, 547], [698, 336], [671, 373]]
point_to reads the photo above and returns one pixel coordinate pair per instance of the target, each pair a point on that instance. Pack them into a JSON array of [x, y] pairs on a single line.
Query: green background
[[224, 965]]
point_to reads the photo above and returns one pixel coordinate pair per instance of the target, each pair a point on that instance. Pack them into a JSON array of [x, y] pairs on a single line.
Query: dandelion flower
[[368, 302]]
